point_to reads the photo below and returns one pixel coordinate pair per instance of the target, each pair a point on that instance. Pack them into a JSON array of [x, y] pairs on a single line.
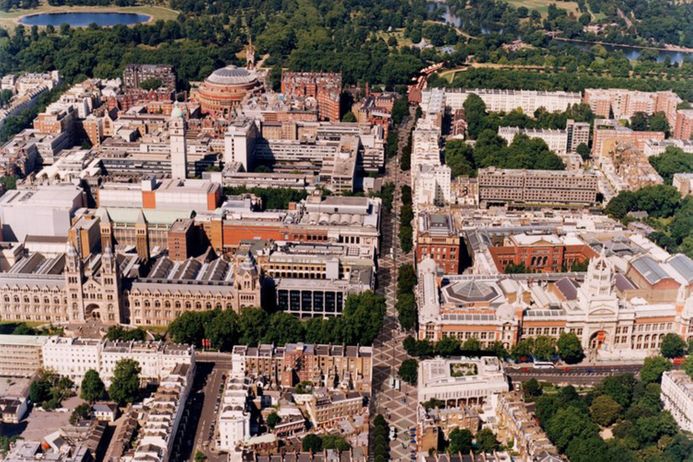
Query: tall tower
[[110, 285], [74, 279], [105, 229], [142, 237], [599, 277], [179, 150]]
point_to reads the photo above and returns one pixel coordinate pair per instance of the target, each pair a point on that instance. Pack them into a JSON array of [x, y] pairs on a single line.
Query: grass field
[[9, 20], [542, 6]]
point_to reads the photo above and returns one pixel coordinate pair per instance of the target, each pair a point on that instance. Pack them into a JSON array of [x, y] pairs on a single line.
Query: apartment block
[[21, 355], [322, 365], [608, 134], [683, 126], [508, 100], [677, 397], [325, 87], [537, 186]]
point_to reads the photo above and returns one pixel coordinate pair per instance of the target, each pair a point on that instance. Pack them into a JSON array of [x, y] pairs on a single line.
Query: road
[[586, 375], [198, 431], [397, 406]]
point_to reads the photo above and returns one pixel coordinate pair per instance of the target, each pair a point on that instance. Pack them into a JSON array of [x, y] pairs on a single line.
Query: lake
[[631, 53], [83, 19]]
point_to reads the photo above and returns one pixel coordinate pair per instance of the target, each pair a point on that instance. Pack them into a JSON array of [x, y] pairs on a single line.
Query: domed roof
[[232, 75]]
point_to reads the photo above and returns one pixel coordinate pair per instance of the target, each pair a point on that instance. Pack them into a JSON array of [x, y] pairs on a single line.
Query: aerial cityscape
[[346, 231]]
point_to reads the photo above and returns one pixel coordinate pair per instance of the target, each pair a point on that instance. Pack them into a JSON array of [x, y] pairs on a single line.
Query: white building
[[45, 211], [556, 140], [432, 185], [677, 396], [683, 182], [162, 414], [179, 148], [505, 100], [239, 142], [461, 380], [73, 357], [20, 355], [657, 147], [425, 147], [234, 415]]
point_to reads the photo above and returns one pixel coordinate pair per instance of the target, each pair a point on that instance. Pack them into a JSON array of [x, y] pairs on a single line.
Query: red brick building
[[325, 87], [437, 238], [541, 253]]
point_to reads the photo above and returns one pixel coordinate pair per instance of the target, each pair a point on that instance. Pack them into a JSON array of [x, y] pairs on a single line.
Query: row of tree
[[568, 348], [406, 299], [359, 324], [406, 217]]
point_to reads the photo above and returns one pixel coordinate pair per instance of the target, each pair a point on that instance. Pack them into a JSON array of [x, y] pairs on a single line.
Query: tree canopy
[[92, 388], [125, 386]]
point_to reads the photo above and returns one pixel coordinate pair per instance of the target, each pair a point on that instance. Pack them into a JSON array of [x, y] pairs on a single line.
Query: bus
[[543, 364]]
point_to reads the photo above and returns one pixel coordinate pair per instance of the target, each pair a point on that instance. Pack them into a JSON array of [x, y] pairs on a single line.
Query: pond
[[82, 19]]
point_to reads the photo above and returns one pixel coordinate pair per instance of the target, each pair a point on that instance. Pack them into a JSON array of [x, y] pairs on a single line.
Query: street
[[397, 406], [197, 432], [585, 375]]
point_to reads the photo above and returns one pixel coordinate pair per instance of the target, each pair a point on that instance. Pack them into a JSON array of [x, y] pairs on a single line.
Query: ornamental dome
[[232, 75]]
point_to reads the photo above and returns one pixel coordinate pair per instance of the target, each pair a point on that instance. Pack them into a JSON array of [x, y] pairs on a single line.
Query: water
[[632, 54], [82, 19]]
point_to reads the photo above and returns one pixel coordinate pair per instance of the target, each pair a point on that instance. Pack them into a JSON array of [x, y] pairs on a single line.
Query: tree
[[284, 328], [349, 117], [448, 346], [151, 84], [406, 278], [673, 160], [604, 410], [471, 345], [567, 424], [336, 442], [120, 333], [584, 151], [653, 368], [619, 388], [312, 443], [223, 331], [460, 440], [125, 386], [81, 412], [673, 346], [531, 389], [688, 365], [40, 391], [189, 327], [570, 348], [522, 350], [639, 122], [459, 156], [409, 371], [273, 420], [486, 440], [93, 388], [544, 347]]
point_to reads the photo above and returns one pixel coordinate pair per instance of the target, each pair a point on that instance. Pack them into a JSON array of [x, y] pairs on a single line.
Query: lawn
[[542, 6], [10, 19]]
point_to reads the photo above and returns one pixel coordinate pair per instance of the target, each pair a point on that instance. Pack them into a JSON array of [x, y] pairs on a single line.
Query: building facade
[[537, 186], [677, 397]]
